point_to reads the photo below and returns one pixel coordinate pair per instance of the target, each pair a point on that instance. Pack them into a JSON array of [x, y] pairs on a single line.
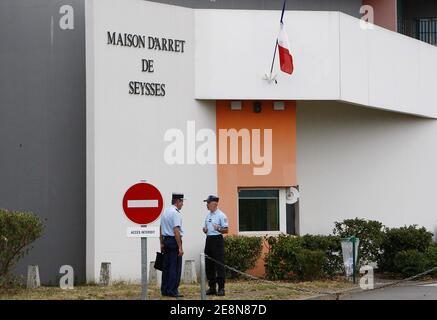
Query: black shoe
[[211, 292], [176, 295], [221, 292]]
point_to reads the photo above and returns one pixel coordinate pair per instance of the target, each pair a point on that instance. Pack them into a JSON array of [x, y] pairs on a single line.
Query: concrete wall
[[334, 59], [233, 58], [42, 128], [356, 162], [381, 160], [125, 133], [387, 70], [350, 7]]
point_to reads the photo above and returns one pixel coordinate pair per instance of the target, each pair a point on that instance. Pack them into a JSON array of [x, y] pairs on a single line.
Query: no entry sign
[[142, 203]]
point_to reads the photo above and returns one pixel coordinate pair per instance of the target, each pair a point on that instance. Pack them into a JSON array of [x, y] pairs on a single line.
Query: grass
[[235, 290]]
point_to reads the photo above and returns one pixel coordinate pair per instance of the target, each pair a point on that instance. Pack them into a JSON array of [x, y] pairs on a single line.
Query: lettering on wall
[[147, 66]]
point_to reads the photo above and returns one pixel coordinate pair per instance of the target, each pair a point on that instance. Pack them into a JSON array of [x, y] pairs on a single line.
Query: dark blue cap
[[177, 196], [211, 199]]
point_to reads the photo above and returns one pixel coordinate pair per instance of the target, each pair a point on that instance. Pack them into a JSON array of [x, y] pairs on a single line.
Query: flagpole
[[276, 44], [283, 11], [274, 58]]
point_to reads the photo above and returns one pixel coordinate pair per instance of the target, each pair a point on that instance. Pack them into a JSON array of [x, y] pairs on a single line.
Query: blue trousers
[[172, 268]]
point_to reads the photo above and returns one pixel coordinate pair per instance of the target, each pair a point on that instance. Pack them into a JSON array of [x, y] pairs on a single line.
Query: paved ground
[[408, 291]]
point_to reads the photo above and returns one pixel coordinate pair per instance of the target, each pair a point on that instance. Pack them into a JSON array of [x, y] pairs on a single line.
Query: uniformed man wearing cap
[[171, 246], [216, 224]]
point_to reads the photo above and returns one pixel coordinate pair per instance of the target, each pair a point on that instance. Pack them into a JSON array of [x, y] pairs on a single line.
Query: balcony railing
[[424, 29]]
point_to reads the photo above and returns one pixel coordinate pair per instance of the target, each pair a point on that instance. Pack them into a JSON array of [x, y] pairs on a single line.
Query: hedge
[[302, 258], [17, 231], [242, 253], [401, 239], [370, 233]]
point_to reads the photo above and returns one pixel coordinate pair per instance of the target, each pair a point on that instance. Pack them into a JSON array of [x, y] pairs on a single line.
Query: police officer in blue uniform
[[171, 245], [216, 224]]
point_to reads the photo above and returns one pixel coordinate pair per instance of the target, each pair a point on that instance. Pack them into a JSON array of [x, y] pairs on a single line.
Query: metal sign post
[[353, 261], [144, 281], [143, 232], [202, 277], [142, 204]]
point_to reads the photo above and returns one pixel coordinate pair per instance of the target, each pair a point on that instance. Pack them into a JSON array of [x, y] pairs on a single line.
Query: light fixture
[[236, 106], [257, 107], [279, 106]]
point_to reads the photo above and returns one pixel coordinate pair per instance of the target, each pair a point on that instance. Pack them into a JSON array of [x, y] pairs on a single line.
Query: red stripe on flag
[[286, 60]]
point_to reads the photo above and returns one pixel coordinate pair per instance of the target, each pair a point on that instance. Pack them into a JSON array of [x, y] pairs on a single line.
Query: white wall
[[125, 134], [351, 162], [234, 50], [335, 59], [387, 70], [356, 162]]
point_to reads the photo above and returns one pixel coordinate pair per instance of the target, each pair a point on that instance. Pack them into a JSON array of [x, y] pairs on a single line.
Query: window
[[427, 30], [259, 210]]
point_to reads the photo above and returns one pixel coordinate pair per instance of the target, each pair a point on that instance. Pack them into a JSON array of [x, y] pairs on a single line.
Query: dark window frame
[[263, 194]]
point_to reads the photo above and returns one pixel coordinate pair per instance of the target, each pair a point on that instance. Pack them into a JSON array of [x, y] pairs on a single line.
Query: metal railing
[[424, 29]]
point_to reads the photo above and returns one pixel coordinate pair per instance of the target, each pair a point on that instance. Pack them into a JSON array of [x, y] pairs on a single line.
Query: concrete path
[[407, 291]]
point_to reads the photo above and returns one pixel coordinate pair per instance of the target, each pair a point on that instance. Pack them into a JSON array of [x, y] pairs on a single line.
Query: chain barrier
[[337, 293], [290, 287], [395, 283]]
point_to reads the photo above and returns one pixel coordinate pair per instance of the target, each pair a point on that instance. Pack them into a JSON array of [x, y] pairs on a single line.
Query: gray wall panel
[[42, 128], [350, 7]]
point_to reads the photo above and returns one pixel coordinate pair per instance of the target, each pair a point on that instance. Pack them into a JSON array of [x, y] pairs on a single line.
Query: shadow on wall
[[356, 161], [351, 7]]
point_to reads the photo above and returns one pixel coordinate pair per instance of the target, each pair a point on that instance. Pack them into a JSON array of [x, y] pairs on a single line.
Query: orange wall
[[230, 177], [385, 13]]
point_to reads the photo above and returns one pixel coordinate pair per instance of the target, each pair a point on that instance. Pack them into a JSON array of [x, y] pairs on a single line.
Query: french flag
[[285, 57]]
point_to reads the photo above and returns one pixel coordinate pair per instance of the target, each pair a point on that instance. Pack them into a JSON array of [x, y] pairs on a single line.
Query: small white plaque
[[143, 232]]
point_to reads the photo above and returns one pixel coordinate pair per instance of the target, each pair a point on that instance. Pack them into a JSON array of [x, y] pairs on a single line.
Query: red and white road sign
[[142, 203]]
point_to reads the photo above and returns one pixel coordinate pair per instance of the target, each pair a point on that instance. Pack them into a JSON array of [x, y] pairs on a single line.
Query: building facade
[[99, 95]]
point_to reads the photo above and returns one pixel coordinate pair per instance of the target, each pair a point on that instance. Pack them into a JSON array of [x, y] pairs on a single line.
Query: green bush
[[331, 246], [410, 262], [431, 258], [293, 258], [310, 264], [17, 231], [370, 233], [281, 260], [242, 253], [402, 239]]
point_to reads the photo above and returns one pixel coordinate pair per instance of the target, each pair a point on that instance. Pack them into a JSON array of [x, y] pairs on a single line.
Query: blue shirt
[[170, 219], [218, 218]]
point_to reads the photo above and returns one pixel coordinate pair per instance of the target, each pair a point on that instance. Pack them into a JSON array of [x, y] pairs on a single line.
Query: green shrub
[[288, 259], [431, 258], [402, 239], [331, 246], [370, 233], [242, 253], [281, 260], [410, 262], [413, 262], [17, 231], [310, 264]]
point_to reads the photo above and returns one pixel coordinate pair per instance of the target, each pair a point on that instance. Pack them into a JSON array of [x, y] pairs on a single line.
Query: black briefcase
[[159, 261]]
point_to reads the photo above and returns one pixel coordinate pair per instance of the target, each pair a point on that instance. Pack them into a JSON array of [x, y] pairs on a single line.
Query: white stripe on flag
[[142, 203]]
